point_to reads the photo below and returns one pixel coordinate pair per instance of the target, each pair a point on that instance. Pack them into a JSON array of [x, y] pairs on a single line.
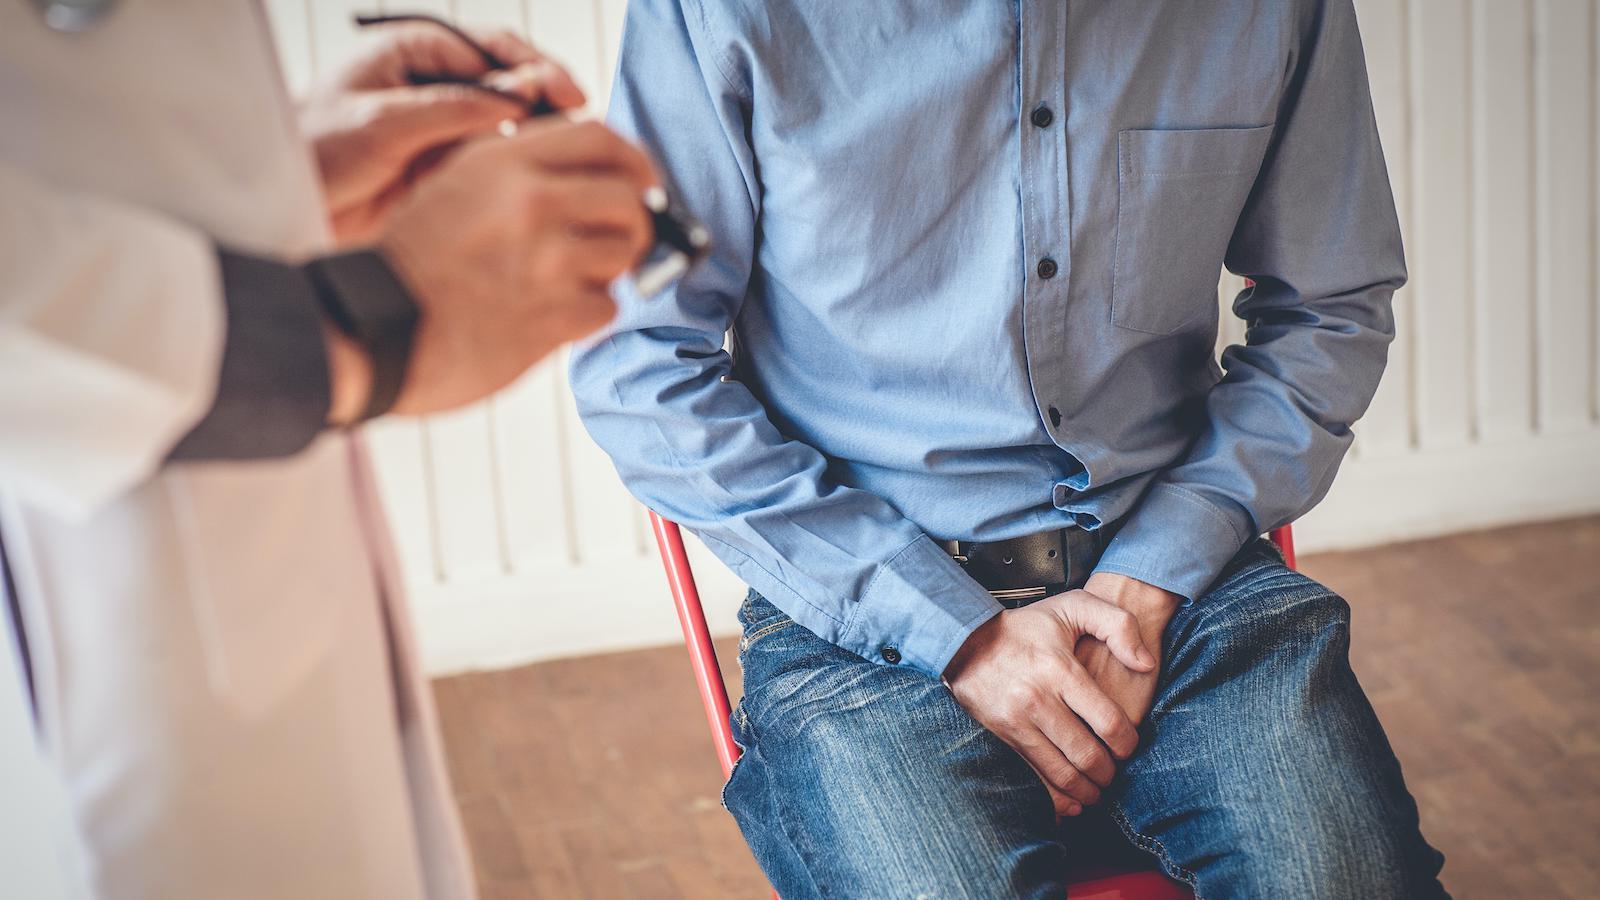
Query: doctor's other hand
[[376, 134], [510, 249], [1017, 675]]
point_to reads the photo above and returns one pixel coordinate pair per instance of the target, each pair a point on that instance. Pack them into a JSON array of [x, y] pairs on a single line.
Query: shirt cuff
[[274, 390], [1177, 540], [918, 610]]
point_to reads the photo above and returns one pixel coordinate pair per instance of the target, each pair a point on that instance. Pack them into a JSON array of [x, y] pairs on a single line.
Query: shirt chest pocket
[[1179, 195]]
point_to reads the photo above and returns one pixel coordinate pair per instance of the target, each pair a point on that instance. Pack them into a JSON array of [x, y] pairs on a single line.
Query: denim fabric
[[1262, 770], [952, 322]]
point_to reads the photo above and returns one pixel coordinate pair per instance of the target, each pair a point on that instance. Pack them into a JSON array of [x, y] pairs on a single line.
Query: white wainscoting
[[518, 543]]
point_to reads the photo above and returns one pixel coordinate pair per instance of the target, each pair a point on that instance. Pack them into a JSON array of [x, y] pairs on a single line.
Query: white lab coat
[[229, 704]]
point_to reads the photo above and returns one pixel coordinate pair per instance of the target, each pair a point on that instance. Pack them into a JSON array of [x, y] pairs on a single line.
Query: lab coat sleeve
[[111, 341]]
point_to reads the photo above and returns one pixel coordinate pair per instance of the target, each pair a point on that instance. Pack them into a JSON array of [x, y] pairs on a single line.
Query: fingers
[[408, 120], [426, 49], [600, 258], [1077, 743], [1063, 804], [583, 313], [1057, 772], [583, 203], [535, 80], [550, 80], [1115, 626], [1104, 716], [506, 44], [565, 145]]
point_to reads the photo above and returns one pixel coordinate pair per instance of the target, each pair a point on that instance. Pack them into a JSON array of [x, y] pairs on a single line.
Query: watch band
[[366, 300]]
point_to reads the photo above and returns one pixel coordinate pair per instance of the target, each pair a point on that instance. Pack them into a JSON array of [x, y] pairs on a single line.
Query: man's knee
[[863, 780], [1329, 852], [1266, 616]]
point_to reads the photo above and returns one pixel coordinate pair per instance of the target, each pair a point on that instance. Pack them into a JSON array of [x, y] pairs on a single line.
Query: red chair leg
[[1284, 538], [697, 637]]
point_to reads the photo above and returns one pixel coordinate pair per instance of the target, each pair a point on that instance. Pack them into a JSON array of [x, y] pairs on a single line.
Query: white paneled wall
[[518, 542]]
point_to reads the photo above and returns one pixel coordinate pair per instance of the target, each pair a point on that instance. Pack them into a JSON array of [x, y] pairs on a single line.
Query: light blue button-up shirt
[[955, 316]]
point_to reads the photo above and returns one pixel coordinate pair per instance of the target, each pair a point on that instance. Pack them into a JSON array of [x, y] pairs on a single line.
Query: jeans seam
[[751, 638], [777, 812], [1154, 846]]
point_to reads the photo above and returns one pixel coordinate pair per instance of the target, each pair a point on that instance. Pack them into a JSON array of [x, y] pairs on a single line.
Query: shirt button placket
[[1047, 231]]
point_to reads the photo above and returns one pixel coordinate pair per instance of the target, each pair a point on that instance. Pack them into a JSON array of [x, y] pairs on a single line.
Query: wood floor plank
[[594, 777]]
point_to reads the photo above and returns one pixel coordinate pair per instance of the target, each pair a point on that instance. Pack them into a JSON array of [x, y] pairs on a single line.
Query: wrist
[[349, 377], [1144, 600], [368, 307]]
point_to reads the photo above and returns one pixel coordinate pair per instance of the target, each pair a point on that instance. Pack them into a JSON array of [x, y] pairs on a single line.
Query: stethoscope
[[73, 15]]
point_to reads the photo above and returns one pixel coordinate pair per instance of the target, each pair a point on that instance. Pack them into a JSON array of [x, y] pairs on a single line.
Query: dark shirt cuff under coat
[[274, 389]]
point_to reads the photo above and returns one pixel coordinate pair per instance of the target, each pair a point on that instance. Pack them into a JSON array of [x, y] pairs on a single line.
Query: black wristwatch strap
[[366, 300]]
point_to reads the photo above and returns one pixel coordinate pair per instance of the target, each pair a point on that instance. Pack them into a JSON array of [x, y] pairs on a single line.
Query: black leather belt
[[1023, 569]]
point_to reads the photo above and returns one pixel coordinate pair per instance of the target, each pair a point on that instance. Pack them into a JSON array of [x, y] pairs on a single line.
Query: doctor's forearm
[[273, 391], [287, 371]]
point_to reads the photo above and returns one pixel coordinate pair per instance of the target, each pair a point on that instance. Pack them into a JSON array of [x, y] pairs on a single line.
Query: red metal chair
[[1147, 885]]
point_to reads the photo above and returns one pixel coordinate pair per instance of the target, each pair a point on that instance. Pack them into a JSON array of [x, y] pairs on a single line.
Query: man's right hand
[[1017, 675], [509, 248]]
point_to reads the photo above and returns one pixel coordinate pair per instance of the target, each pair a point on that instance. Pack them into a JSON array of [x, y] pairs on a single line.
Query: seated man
[[971, 447]]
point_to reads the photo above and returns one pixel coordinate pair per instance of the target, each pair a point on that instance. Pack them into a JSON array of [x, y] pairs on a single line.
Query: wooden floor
[[594, 777]]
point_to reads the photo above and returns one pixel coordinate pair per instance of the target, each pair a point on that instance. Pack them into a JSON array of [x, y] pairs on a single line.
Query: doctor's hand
[[1017, 675], [375, 134], [510, 248]]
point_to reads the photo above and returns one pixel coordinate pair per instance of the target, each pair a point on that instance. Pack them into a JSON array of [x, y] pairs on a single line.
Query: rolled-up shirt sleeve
[[693, 443], [1320, 239]]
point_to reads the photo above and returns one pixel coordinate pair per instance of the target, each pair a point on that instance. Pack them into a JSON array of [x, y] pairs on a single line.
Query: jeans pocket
[[1179, 195], [760, 619]]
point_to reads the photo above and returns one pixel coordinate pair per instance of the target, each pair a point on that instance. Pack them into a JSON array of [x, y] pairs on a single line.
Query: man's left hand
[[1152, 608], [375, 134]]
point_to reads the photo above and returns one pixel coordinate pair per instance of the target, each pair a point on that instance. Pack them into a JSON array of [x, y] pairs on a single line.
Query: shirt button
[[1042, 117], [1047, 268], [890, 655], [1055, 417]]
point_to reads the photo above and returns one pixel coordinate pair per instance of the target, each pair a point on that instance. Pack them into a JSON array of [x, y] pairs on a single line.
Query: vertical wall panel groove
[[1440, 232], [1564, 286], [1388, 427], [1502, 218]]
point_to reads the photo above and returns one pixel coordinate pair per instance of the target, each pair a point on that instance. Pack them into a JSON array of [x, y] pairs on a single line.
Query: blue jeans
[[1262, 770]]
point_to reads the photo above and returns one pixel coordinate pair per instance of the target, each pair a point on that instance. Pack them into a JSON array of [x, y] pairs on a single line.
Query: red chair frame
[[1149, 885]]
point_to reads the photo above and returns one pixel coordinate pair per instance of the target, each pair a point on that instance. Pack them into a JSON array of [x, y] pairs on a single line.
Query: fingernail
[[1074, 809]]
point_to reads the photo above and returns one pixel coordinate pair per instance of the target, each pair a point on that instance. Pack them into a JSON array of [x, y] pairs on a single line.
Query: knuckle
[[1063, 776], [1019, 698], [1090, 754]]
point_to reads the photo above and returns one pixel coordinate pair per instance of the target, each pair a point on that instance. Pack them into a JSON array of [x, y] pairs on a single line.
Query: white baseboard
[[1430, 492], [478, 624]]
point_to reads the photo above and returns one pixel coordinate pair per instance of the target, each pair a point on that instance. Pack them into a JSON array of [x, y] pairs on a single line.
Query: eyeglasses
[[681, 241]]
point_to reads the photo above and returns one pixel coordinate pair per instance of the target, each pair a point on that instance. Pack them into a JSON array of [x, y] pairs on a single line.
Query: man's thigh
[[1263, 770], [862, 780]]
